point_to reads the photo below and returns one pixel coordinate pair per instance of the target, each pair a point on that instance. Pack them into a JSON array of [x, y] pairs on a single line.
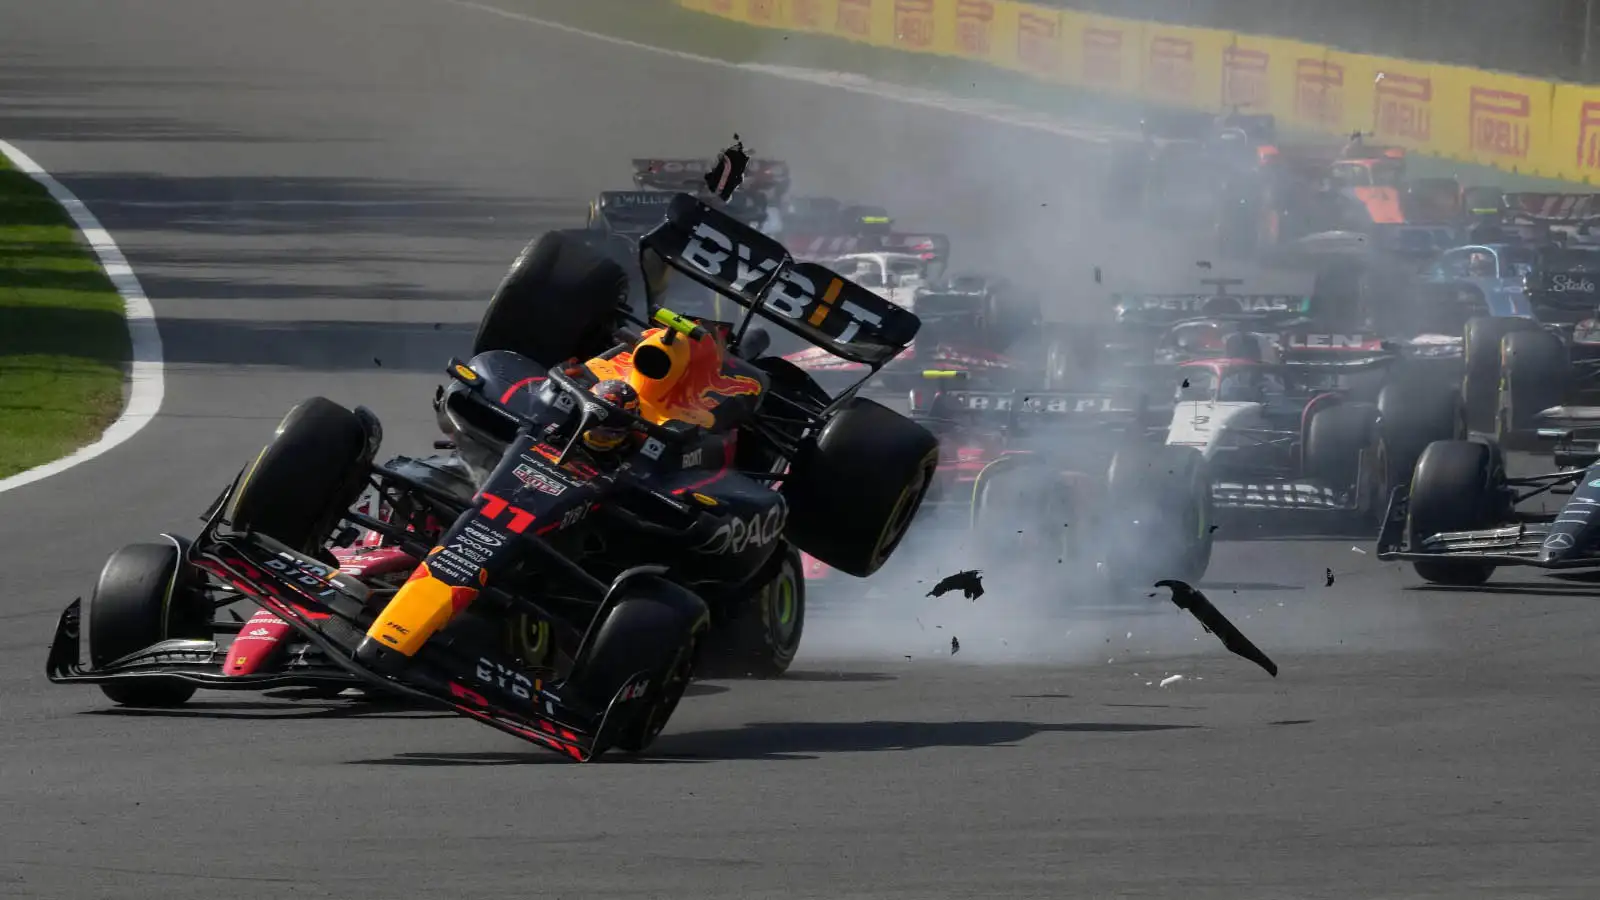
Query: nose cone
[[1558, 546]]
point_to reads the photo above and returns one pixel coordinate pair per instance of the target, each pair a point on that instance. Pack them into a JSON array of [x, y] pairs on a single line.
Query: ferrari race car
[[1457, 521], [614, 484], [1327, 427], [1040, 479], [970, 322]]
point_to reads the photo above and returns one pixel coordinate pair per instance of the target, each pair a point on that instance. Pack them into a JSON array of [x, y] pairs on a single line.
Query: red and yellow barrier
[[1511, 122]]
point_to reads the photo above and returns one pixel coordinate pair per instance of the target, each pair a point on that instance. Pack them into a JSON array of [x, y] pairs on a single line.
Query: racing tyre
[[1335, 439], [1411, 415], [313, 470], [1480, 384], [1533, 378], [139, 601], [762, 635], [657, 628], [560, 300], [855, 490], [1455, 488], [1164, 492]]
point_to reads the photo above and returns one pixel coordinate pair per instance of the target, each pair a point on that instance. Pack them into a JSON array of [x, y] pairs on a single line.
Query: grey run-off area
[[319, 195]]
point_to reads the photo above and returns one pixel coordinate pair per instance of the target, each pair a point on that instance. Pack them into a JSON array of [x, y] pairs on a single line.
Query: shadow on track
[[316, 346], [772, 741]]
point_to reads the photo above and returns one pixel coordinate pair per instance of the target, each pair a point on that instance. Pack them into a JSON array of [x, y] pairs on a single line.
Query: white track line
[[147, 387], [1001, 113]]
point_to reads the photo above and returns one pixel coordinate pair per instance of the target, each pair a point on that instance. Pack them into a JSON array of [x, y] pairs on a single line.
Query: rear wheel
[[139, 601], [313, 470], [1533, 378], [561, 299], [1456, 487], [760, 638], [1335, 439], [656, 629], [1480, 384], [854, 492]]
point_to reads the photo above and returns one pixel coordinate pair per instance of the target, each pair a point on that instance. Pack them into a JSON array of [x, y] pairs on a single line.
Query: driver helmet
[[612, 434], [1480, 264]]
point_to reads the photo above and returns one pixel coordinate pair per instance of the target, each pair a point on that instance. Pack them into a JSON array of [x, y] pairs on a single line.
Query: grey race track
[[318, 197]]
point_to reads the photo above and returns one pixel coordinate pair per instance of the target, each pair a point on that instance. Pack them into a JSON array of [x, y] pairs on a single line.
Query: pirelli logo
[[975, 27], [1319, 92], [1039, 41], [913, 23], [854, 18], [1404, 107], [1589, 135], [763, 10], [1171, 68], [1500, 122], [806, 13], [1102, 55], [1246, 80]]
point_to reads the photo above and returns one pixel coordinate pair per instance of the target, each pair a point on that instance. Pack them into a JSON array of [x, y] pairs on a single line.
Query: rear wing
[[1160, 310], [1342, 351], [1551, 209], [768, 176], [804, 298], [933, 248]]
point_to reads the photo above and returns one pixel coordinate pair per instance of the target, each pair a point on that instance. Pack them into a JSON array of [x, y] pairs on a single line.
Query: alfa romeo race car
[[1457, 521], [1326, 427], [1042, 479], [615, 484], [969, 322]]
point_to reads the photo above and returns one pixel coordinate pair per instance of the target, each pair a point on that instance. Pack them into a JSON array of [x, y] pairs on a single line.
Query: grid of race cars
[[1441, 314]]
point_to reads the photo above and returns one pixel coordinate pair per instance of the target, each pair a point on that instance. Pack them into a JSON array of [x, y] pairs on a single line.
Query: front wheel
[[1456, 487], [1161, 508], [139, 601], [760, 638]]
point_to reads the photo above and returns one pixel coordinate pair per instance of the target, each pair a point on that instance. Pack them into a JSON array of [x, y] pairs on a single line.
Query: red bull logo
[[682, 380]]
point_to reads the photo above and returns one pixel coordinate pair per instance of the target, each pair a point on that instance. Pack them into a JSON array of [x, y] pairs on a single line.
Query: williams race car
[[613, 483]]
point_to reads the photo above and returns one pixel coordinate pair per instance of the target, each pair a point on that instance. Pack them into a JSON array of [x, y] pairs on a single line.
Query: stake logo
[[1039, 41], [1172, 67], [1403, 107], [974, 27], [1245, 78], [913, 23], [1500, 122], [1319, 92], [1102, 56]]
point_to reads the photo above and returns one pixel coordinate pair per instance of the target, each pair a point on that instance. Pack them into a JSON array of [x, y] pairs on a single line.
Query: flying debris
[[1214, 622], [1330, 579], [970, 583], [726, 176], [955, 645]]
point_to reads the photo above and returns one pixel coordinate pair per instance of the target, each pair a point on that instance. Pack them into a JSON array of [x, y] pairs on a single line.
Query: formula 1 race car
[[612, 483], [1184, 164], [1166, 329], [1042, 479], [1327, 427], [970, 323], [1457, 521]]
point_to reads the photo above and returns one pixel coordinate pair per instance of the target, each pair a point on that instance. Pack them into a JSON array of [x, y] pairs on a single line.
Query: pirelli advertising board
[[1514, 123]]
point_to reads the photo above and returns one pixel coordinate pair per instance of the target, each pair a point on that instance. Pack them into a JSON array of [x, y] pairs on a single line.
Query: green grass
[[663, 23], [63, 342]]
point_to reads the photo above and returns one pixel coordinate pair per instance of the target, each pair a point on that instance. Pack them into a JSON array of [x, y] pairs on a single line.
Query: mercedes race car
[[1327, 427], [642, 493], [1045, 479], [1457, 521]]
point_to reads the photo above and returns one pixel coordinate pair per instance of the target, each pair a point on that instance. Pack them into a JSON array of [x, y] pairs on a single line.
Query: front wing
[[1516, 544]]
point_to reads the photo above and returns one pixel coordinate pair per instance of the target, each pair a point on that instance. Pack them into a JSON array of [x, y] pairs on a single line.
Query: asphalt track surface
[[319, 195]]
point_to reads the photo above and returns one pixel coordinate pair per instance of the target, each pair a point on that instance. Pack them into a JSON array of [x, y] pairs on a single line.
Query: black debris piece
[[726, 176], [1213, 621], [1330, 578], [970, 583], [377, 362], [955, 645]]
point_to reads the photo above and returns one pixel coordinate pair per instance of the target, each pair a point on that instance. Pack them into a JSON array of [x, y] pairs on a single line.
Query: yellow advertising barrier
[[1510, 122]]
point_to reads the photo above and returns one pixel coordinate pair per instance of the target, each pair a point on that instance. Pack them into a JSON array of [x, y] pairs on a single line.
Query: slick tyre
[[855, 490], [1533, 378], [658, 629], [139, 601], [1412, 415], [1335, 439], [303, 481], [1480, 384], [1456, 487], [760, 636], [1161, 511], [561, 299]]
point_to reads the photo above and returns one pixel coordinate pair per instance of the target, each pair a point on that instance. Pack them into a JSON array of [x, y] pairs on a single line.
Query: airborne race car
[[1042, 478], [637, 549]]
